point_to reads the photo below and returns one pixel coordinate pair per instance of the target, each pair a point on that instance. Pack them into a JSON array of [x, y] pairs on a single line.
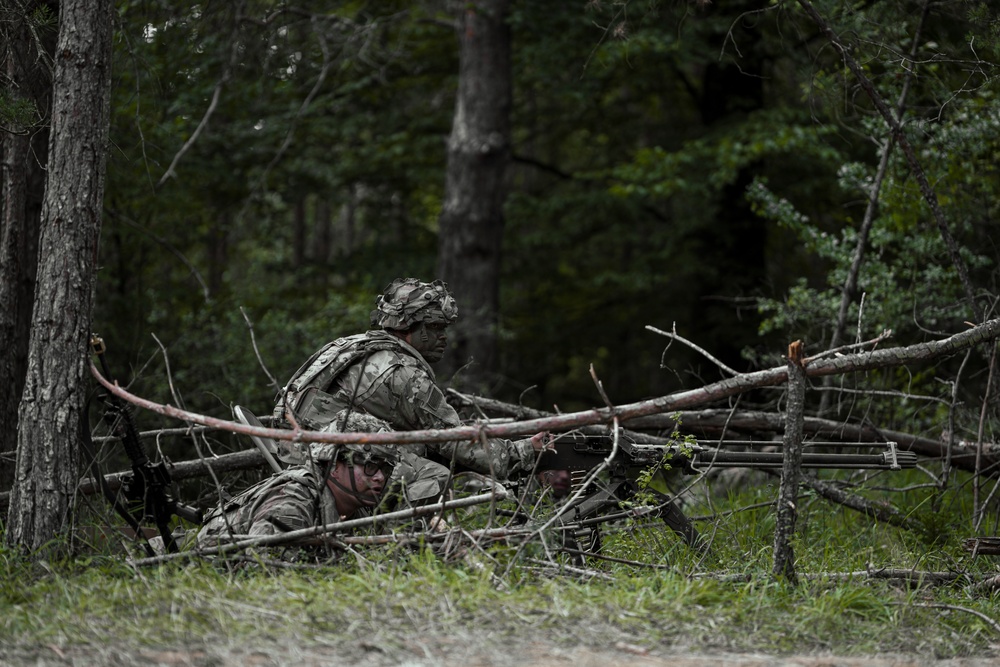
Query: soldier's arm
[[426, 408], [285, 508]]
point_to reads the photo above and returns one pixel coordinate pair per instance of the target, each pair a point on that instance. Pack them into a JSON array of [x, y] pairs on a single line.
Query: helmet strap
[[353, 491]]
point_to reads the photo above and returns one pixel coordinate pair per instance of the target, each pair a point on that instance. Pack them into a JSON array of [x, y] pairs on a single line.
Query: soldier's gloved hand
[[542, 442]]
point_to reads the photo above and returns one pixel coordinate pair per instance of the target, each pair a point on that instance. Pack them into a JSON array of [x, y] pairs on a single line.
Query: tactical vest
[[306, 391]]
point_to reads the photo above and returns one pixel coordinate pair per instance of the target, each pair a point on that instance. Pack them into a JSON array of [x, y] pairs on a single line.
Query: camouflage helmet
[[407, 301], [346, 421]]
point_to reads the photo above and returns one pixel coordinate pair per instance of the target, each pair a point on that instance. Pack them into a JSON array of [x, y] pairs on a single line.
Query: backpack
[[321, 370]]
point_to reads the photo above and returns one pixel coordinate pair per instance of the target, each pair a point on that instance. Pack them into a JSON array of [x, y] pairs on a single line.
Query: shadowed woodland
[[638, 206]]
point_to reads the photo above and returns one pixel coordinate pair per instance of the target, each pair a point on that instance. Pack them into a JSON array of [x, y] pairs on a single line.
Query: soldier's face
[[367, 488], [429, 339], [559, 480]]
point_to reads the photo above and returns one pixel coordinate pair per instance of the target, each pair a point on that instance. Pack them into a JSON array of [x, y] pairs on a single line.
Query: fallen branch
[[245, 460], [879, 511], [294, 536], [558, 423], [951, 607], [911, 577]]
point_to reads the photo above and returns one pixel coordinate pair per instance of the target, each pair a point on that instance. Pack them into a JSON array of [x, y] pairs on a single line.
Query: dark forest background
[[704, 166]]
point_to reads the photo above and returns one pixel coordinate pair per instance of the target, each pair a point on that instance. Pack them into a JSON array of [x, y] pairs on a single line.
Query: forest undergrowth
[[649, 593]]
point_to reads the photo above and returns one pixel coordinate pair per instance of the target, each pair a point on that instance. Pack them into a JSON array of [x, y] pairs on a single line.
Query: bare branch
[[899, 356], [673, 336], [295, 536], [900, 136]]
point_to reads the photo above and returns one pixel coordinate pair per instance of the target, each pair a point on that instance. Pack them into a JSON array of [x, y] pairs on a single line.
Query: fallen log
[[246, 460]]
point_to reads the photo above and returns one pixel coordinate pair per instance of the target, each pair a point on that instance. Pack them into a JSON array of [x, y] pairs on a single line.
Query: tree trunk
[[218, 252], [299, 233], [55, 389], [24, 153], [471, 223], [324, 230], [788, 491]]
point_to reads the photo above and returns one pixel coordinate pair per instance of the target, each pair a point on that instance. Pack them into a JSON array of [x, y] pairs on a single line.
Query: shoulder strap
[[330, 361]]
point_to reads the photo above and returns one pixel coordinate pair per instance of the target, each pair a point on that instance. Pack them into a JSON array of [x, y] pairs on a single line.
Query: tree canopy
[[698, 165], [725, 170]]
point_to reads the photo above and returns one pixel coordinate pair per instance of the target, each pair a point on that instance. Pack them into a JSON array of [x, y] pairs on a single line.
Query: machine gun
[[632, 461], [148, 490], [576, 451]]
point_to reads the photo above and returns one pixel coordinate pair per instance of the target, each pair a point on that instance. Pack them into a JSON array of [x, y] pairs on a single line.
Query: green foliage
[[386, 597], [650, 479], [16, 112], [672, 165]]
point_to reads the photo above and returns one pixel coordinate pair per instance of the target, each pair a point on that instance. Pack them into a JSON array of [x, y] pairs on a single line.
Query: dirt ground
[[444, 653]]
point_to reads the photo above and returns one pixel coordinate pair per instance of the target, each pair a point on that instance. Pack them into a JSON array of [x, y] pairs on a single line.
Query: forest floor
[[448, 651]]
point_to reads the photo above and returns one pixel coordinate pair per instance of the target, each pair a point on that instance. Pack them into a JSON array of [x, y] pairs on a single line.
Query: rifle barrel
[[724, 459]]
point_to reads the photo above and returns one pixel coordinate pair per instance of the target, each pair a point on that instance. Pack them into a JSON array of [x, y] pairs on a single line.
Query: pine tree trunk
[[24, 153], [471, 220], [55, 388]]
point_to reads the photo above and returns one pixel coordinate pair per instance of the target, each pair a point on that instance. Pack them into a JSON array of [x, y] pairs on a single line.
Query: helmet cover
[[408, 301], [358, 453]]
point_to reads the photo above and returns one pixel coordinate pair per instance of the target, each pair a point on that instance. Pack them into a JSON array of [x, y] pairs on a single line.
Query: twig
[[979, 510], [952, 407], [612, 559], [294, 536], [600, 388], [234, 45], [952, 607], [673, 336], [256, 351], [852, 346], [549, 566]]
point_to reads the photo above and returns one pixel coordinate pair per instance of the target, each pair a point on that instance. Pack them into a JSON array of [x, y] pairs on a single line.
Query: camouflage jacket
[[293, 499], [382, 375]]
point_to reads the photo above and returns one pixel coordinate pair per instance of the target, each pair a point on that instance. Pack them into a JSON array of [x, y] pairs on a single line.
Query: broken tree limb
[[791, 467], [883, 512], [245, 460], [707, 394], [710, 422], [294, 536]]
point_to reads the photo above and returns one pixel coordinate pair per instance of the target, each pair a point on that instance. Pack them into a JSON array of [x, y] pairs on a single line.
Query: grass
[[396, 601]]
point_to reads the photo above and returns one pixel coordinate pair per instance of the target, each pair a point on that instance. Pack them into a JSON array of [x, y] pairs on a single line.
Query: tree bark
[[24, 153], [471, 222], [788, 490], [53, 400]]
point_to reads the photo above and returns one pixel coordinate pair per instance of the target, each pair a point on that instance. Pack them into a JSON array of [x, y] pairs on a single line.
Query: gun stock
[[148, 490]]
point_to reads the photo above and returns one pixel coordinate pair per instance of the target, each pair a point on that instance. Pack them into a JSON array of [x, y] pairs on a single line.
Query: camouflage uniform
[[379, 373], [292, 499], [297, 497]]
